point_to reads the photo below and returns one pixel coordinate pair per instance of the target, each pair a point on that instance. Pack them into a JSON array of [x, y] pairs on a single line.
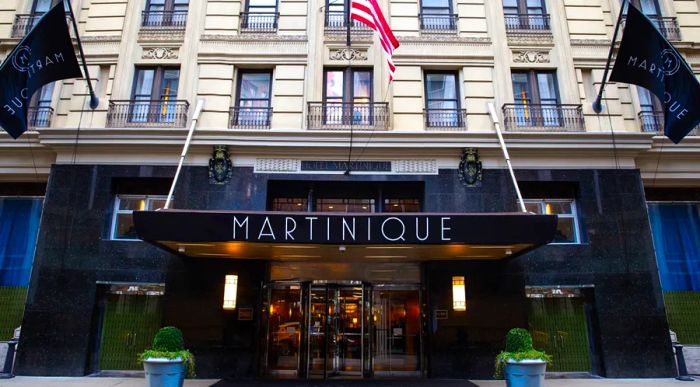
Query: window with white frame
[[125, 205], [565, 210]]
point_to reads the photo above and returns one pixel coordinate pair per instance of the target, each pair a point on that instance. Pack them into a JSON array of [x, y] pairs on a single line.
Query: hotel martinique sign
[[343, 229]]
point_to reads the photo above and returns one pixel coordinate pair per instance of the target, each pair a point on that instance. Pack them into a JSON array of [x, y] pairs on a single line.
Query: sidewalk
[[25, 381]]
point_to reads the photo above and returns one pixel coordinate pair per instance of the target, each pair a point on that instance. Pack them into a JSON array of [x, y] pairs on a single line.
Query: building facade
[[297, 125]]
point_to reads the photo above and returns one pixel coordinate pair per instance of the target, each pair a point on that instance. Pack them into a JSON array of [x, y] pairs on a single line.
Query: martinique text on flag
[[45, 55], [647, 59]]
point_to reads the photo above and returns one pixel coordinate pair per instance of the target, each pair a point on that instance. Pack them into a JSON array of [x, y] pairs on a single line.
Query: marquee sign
[[344, 229]]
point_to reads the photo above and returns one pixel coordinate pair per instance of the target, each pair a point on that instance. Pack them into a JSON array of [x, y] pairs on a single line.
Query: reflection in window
[[442, 100], [345, 205], [401, 205], [536, 98], [254, 98], [565, 209], [348, 96], [289, 204], [125, 205]]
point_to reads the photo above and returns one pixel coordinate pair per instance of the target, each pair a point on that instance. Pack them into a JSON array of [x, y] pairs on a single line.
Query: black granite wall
[[74, 252]]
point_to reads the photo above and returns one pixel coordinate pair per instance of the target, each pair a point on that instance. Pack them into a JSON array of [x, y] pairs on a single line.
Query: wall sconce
[[230, 292], [459, 298]]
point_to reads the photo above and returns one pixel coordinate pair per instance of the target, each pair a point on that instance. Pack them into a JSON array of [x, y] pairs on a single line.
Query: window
[[260, 15], [289, 204], [536, 98], [154, 95], [348, 96], [525, 15], [165, 13], [565, 209], [335, 13], [40, 7], [442, 100], [125, 205], [344, 205], [40, 110], [253, 100], [675, 229], [19, 227], [402, 205], [437, 15]]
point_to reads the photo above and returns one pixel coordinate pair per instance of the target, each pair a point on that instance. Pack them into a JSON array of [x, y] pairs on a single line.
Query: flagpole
[[94, 101], [347, 22], [597, 106], [497, 125], [195, 117]]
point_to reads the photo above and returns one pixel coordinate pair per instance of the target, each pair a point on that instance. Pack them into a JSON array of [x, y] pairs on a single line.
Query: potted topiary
[[167, 362], [524, 366]]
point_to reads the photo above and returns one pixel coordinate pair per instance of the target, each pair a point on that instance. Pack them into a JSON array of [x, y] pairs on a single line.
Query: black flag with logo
[[45, 55], [647, 59]]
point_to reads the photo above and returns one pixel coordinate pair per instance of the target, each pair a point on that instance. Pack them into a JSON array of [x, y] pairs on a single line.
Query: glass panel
[[441, 86], [555, 208], [345, 205], [319, 311], [548, 98], [155, 204], [558, 327], [45, 94], [522, 98], [130, 322], [435, 3], [533, 207], [334, 84], [138, 204], [289, 204], [547, 86], [350, 330], [401, 205], [649, 8], [362, 85], [646, 99], [683, 317], [255, 85], [395, 315], [284, 328], [168, 95], [42, 6], [565, 231], [125, 227], [336, 6], [143, 89]]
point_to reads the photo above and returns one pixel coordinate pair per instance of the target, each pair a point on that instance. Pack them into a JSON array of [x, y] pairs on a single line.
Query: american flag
[[369, 12]]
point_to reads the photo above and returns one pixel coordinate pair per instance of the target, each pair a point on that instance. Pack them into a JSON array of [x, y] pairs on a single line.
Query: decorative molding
[[159, 53], [220, 165], [253, 37], [470, 168], [407, 166], [347, 53], [277, 165], [530, 56], [530, 39], [423, 167], [444, 38]]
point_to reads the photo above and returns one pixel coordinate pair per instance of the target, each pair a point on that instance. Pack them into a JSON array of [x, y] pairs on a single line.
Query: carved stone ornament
[[159, 53], [348, 54], [470, 168], [530, 57], [220, 165]]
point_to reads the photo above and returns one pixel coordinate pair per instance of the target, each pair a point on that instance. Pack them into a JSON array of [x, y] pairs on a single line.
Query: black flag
[[647, 59], [45, 55]]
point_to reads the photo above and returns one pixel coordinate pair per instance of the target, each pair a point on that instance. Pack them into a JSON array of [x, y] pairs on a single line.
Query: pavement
[[26, 381]]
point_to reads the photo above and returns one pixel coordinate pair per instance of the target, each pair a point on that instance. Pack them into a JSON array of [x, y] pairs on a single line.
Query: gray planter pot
[[162, 372], [525, 373]]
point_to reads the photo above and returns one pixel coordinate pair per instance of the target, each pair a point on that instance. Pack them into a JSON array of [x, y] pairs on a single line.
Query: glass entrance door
[[336, 330], [284, 328], [396, 338]]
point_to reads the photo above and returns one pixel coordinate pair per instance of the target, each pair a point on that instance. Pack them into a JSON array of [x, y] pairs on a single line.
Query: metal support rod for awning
[[497, 125], [195, 117]]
